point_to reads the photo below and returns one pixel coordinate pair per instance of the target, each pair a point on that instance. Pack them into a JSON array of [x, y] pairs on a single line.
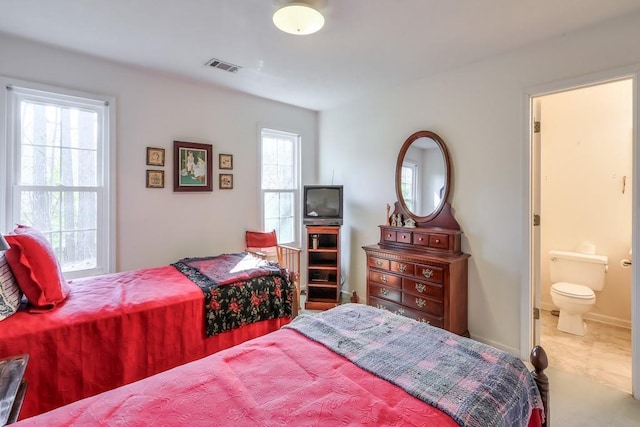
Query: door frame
[[530, 287]]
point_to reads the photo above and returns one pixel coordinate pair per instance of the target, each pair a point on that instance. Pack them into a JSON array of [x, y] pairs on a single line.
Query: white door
[[530, 332], [536, 220]]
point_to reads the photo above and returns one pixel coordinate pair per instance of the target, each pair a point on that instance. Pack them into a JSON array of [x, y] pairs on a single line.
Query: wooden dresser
[[417, 269], [428, 286]]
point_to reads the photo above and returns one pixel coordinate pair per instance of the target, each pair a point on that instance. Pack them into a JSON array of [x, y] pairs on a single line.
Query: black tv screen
[[322, 205]]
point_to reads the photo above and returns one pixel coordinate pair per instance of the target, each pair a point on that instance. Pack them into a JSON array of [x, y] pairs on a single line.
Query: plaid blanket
[[238, 289], [475, 384]]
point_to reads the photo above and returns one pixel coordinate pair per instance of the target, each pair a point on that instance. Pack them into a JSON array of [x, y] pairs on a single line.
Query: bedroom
[[477, 108]]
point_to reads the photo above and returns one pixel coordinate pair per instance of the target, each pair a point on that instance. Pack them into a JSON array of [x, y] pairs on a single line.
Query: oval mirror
[[422, 176]]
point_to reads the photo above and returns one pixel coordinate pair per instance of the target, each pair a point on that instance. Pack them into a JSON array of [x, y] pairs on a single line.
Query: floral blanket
[[476, 384], [238, 289]]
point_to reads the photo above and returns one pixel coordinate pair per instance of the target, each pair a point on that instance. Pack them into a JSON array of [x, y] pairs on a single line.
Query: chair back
[[257, 240], [263, 243]]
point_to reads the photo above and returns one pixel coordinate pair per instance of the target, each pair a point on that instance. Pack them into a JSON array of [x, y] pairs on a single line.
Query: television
[[322, 205]]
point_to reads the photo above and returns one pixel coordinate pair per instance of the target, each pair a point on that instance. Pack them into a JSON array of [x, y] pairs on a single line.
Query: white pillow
[[10, 294]]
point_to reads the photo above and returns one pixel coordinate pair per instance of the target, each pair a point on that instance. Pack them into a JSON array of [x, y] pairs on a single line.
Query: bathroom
[[586, 206]]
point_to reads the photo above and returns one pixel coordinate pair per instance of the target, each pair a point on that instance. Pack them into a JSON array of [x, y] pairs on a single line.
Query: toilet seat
[[573, 290]]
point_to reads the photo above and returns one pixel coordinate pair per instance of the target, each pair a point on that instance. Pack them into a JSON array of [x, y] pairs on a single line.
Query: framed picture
[[192, 166], [155, 179], [226, 181], [155, 156], [225, 161]]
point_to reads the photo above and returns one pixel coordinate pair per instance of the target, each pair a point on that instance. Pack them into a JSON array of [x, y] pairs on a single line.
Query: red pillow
[[36, 268]]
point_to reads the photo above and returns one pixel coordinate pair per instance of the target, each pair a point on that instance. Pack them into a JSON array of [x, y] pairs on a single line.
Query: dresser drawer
[[403, 268], [439, 241], [421, 239], [430, 273], [403, 237], [435, 308], [388, 235], [422, 289], [379, 263], [391, 294], [385, 279]]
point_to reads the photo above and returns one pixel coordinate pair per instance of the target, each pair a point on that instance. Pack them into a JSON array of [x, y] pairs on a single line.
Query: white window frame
[[414, 188], [10, 95], [296, 191]]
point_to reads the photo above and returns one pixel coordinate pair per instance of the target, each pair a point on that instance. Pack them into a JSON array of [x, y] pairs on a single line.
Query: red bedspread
[[308, 385], [113, 330], [282, 378]]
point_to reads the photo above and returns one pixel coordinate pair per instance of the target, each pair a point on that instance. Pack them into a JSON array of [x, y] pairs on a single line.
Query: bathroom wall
[[586, 140]]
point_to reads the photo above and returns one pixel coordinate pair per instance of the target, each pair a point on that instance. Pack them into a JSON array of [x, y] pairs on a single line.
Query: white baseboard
[[595, 317]]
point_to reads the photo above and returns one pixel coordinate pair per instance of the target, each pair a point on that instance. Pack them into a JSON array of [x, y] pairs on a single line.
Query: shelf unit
[[323, 267]]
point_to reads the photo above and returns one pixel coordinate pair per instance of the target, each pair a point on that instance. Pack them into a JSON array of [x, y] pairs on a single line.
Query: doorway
[[570, 196]]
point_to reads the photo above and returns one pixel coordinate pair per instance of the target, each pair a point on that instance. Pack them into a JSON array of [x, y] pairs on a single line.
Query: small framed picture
[[226, 181], [155, 179], [155, 156], [225, 161]]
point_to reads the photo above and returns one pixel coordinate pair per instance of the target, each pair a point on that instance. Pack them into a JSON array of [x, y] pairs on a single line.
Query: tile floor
[[602, 355]]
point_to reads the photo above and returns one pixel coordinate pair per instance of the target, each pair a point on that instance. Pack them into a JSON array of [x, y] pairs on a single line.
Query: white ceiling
[[366, 45]]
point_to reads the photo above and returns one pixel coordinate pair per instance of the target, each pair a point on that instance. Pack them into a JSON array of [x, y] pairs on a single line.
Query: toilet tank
[[578, 268]]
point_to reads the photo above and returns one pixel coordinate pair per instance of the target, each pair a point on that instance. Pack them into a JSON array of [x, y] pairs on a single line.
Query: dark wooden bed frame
[[540, 362]]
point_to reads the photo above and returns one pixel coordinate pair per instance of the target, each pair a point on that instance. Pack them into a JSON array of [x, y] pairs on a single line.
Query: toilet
[[574, 277]]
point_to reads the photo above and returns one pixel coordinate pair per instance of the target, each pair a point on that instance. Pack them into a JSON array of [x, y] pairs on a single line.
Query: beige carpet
[[578, 401]]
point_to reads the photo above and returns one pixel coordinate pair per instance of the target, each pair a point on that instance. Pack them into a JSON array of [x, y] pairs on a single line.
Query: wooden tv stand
[[323, 267]]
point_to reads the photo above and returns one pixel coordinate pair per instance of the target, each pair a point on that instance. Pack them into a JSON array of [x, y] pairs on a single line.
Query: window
[[408, 184], [280, 183], [58, 175]]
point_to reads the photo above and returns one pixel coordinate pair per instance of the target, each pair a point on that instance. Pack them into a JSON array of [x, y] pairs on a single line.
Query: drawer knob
[[402, 268], [384, 292], [383, 278], [437, 240], [379, 263], [389, 235], [420, 287], [420, 239], [427, 272], [404, 237], [400, 311], [420, 302]]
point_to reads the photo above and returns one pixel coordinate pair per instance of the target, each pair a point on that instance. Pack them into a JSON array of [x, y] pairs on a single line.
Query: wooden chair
[[264, 244]]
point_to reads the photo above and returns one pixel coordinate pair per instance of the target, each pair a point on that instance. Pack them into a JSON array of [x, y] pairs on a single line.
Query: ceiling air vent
[[216, 63]]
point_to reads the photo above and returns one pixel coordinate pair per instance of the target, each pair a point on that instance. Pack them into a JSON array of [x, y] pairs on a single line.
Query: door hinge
[[536, 127], [536, 313], [536, 220]]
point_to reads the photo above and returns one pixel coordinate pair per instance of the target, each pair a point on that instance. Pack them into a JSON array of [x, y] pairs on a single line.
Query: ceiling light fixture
[[298, 18]]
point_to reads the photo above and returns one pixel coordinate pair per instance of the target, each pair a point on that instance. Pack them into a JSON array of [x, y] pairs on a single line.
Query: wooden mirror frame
[[441, 215]]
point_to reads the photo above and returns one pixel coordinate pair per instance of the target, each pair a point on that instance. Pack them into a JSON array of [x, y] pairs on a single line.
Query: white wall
[[157, 226], [478, 111], [586, 140]]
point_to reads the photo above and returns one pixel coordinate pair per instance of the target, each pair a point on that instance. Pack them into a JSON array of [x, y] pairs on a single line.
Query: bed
[[351, 365], [118, 328]]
